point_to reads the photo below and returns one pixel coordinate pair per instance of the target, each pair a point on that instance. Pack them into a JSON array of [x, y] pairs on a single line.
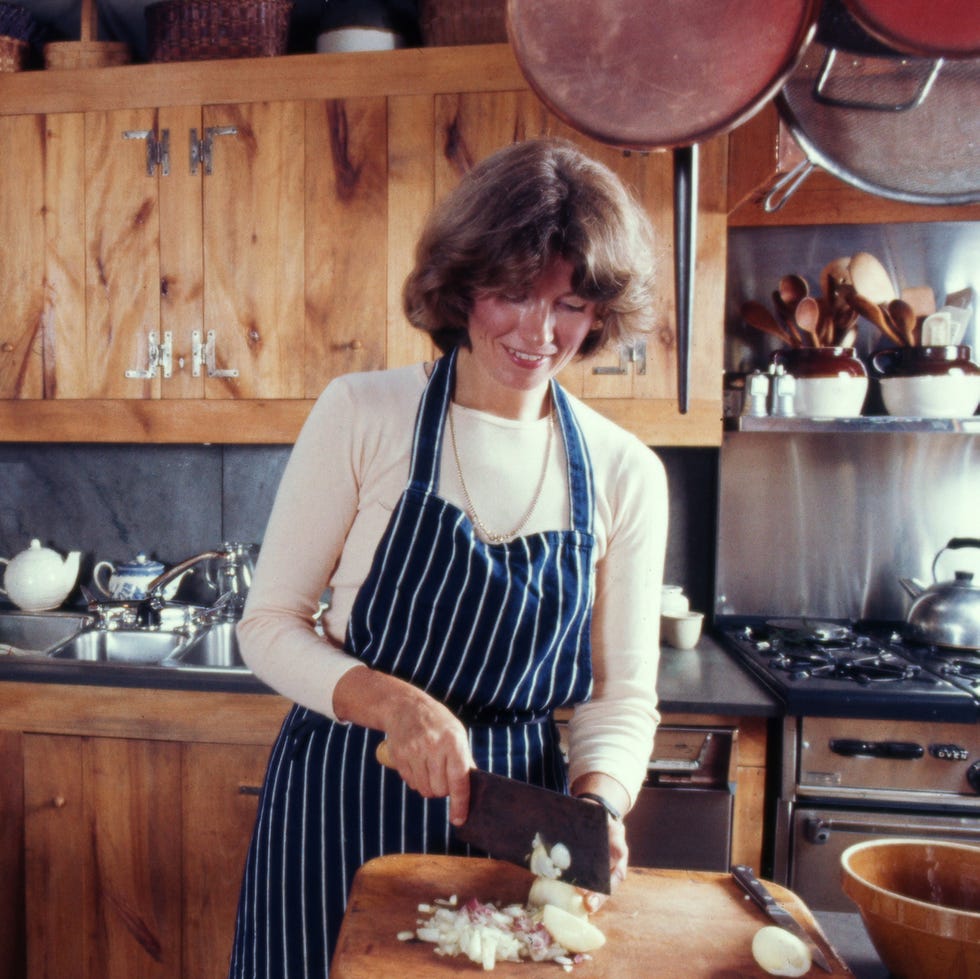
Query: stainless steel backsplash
[[826, 524]]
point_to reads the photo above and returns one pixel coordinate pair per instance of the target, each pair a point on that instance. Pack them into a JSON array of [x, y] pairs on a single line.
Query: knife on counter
[[506, 814], [777, 913]]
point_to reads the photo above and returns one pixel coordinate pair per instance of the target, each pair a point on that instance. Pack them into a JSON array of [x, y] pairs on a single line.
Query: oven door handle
[[851, 747], [819, 829]]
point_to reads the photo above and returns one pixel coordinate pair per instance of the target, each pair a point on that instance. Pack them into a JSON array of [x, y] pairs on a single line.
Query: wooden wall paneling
[[220, 802], [254, 249], [122, 233], [13, 938], [133, 804], [346, 212], [181, 282], [411, 162], [66, 364], [21, 256], [59, 892]]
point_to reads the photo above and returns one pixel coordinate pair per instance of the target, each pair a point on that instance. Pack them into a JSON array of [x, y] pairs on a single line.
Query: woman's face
[[519, 343]]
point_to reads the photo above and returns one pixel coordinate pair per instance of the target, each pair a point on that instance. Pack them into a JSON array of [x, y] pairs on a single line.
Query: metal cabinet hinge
[[159, 357], [204, 354], [202, 150], [157, 149], [635, 353]]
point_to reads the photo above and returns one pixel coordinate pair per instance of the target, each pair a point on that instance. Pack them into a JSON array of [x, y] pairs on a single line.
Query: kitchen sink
[[38, 632], [216, 649], [138, 647]]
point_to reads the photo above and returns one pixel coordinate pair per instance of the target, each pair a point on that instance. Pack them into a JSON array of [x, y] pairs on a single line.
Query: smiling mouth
[[532, 360]]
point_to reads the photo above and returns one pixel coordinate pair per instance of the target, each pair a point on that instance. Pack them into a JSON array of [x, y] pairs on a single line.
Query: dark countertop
[[847, 934], [704, 680]]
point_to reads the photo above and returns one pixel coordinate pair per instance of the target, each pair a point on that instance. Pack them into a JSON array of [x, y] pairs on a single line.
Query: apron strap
[[430, 424]]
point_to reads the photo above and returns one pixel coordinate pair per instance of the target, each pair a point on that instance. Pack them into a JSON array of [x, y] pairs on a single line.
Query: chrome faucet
[[234, 564]]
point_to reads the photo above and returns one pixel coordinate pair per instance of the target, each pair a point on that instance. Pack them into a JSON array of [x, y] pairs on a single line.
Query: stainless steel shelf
[[866, 423]]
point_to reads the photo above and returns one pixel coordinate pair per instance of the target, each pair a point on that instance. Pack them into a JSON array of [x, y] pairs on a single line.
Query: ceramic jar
[[831, 382], [928, 382]]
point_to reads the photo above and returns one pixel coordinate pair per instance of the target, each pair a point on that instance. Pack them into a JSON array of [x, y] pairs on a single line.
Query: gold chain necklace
[[489, 534]]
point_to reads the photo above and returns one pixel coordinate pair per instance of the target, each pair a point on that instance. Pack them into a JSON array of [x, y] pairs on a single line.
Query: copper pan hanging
[[660, 75]]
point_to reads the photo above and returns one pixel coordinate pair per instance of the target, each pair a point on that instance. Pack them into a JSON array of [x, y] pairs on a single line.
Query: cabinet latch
[[202, 150], [159, 357], [634, 353], [205, 354], [157, 150]]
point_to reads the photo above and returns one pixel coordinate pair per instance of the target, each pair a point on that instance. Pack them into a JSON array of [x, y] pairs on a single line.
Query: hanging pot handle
[[786, 186], [917, 98], [685, 255]]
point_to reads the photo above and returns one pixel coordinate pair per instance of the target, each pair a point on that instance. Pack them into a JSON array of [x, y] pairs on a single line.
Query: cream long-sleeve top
[[344, 477]]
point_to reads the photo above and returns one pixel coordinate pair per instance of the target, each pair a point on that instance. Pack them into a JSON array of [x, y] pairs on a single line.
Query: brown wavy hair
[[508, 217]]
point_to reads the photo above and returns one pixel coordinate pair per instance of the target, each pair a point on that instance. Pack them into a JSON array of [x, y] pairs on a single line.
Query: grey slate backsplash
[[172, 501]]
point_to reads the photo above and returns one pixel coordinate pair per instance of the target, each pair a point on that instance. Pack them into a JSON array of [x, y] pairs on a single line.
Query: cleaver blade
[[505, 815]]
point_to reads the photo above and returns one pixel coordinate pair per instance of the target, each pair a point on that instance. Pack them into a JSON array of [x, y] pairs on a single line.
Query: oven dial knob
[[949, 752], [973, 776]]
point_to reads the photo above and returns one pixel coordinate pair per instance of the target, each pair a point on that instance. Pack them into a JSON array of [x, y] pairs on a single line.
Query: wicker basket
[[198, 30], [13, 53], [462, 22]]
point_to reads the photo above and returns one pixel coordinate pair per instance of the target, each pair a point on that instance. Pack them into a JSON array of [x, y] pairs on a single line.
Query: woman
[[494, 550]]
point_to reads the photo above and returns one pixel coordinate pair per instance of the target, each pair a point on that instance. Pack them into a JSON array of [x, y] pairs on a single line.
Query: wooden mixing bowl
[[920, 903]]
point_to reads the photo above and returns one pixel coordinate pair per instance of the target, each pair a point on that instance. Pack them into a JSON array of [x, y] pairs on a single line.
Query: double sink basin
[[76, 637]]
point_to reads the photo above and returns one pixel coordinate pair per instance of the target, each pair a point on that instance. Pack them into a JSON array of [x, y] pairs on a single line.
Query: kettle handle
[[955, 544]]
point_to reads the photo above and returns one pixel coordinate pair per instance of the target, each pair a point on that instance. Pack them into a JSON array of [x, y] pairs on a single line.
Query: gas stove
[[843, 668]]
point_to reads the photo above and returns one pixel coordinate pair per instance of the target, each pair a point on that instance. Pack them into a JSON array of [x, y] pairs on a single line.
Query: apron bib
[[498, 632]]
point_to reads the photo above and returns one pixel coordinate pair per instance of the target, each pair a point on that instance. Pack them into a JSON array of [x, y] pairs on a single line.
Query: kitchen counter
[[704, 680]]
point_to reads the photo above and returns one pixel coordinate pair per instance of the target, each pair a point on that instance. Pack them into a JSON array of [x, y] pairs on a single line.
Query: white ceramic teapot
[[39, 579], [129, 581]]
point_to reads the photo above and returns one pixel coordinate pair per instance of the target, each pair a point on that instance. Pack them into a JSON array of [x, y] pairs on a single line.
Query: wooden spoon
[[808, 317], [903, 316], [793, 288], [757, 316], [871, 279], [875, 314]]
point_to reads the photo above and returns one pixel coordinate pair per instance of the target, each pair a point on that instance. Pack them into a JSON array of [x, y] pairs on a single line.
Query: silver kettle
[[946, 613]]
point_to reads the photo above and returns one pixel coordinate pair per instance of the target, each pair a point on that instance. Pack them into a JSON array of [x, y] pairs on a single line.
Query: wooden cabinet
[[125, 817], [291, 253]]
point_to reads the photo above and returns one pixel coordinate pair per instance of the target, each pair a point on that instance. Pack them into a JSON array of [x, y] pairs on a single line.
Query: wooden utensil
[[903, 317], [874, 314], [673, 924], [871, 278], [808, 317], [758, 317]]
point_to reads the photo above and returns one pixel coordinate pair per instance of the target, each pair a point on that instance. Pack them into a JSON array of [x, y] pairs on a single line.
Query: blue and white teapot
[[129, 581]]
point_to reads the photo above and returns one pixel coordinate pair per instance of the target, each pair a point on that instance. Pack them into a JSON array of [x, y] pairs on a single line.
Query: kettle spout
[[914, 587]]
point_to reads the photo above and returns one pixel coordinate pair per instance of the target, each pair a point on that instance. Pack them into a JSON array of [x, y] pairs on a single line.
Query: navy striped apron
[[498, 632]]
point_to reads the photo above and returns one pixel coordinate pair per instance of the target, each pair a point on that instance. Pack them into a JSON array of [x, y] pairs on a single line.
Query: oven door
[[820, 834]]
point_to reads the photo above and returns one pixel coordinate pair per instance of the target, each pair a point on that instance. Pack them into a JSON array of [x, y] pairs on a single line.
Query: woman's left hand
[[618, 864]]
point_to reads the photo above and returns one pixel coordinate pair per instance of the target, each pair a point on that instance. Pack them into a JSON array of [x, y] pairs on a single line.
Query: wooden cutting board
[[672, 924]]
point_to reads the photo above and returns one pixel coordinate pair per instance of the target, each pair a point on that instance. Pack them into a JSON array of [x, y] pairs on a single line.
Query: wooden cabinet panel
[[122, 234], [103, 845], [254, 249], [13, 948], [21, 256], [346, 240], [220, 801]]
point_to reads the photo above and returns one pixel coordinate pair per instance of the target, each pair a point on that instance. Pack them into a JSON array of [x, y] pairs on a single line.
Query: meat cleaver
[[505, 815]]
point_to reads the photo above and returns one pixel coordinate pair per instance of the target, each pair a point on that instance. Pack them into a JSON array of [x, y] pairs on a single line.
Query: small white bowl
[[830, 397], [682, 630], [358, 39], [931, 395]]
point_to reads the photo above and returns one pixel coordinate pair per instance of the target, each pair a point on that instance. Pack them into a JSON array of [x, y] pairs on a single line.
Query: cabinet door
[[346, 239], [254, 249], [21, 255], [102, 838], [220, 800], [122, 233]]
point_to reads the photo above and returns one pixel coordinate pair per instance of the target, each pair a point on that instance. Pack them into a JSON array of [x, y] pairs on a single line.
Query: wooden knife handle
[[383, 754]]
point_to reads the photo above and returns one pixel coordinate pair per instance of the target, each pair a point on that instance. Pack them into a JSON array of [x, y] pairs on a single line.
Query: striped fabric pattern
[[499, 632]]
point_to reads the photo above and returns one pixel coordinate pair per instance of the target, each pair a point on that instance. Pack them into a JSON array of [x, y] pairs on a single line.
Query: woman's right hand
[[426, 743], [429, 747]]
